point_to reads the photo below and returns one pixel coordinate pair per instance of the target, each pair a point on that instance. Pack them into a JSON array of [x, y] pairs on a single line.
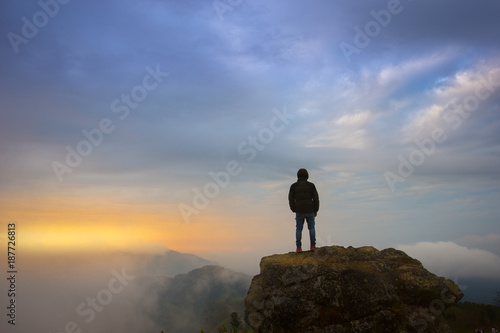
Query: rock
[[337, 289]]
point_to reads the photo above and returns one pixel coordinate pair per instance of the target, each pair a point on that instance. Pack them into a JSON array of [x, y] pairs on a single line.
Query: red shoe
[[313, 247], [299, 249]]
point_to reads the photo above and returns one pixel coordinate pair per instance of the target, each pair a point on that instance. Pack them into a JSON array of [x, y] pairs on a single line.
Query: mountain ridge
[[172, 263]]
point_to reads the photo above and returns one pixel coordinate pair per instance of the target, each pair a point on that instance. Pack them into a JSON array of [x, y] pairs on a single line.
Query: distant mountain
[[172, 263], [201, 299]]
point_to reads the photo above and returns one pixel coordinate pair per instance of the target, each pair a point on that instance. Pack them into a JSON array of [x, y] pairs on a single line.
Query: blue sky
[[401, 136]]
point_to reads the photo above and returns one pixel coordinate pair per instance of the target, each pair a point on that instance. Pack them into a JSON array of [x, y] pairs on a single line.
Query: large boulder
[[337, 289]]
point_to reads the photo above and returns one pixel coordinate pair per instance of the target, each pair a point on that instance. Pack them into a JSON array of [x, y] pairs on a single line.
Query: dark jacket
[[303, 197]]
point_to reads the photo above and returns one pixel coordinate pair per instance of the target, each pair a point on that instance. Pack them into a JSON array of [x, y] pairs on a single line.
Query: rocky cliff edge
[[337, 289]]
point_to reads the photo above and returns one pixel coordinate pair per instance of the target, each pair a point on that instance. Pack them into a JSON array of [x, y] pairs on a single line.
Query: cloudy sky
[[183, 123]]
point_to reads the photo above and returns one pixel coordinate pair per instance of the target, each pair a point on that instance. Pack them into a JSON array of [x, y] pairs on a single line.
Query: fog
[[96, 292], [53, 287], [452, 260]]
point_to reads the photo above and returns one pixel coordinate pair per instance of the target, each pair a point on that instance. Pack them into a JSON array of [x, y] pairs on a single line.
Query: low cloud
[[124, 291], [451, 260], [58, 291]]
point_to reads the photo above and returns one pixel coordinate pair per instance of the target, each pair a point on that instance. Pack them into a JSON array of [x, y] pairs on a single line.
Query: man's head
[[302, 173]]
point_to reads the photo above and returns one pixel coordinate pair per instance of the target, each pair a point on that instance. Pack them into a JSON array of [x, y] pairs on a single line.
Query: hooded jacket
[[303, 196]]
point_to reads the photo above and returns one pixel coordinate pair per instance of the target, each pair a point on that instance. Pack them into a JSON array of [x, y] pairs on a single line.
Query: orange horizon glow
[[83, 223], [183, 238], [93, 230]]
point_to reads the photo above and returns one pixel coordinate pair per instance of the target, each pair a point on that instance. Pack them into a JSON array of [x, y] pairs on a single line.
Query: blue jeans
[[299, 218]]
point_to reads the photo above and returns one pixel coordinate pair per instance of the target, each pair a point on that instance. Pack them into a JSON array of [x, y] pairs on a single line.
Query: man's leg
[[311, 226], [299, 218]]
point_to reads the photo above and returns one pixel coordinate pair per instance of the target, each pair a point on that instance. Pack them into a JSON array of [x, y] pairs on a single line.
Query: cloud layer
[[454, 261]]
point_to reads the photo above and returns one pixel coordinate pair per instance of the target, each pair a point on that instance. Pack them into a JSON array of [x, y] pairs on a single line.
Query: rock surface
[[337, 289]]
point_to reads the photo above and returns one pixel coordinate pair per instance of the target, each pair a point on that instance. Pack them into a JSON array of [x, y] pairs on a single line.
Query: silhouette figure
[[304, 202]]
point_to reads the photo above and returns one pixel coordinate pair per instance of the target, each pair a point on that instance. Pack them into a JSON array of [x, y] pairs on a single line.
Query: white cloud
[[394, 74], [454, 261], [479, 84], [467, 82], [423, 123], [348, 131], [356, 119]]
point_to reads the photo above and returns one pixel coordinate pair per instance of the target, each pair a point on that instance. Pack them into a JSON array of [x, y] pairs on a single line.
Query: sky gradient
[[183, 123]]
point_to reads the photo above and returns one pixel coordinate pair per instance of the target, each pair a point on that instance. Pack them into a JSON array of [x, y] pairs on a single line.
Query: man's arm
[[291, 197], [315, 196]]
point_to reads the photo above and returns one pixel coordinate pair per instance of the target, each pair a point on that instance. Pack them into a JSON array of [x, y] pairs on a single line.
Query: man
[[304, 202]]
